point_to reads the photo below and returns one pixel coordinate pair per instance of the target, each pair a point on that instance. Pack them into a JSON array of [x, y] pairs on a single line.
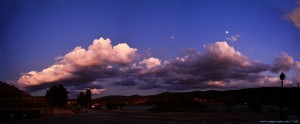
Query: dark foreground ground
[[130, 117]]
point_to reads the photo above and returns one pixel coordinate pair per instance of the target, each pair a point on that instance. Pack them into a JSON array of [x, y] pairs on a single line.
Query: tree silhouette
[[57, 96], [88, 98], [85, 100], [81, 99]]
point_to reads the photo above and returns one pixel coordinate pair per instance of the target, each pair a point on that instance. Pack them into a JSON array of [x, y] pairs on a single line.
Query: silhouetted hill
[[267, 94], [9, 91], [254, 97], [13, 98]]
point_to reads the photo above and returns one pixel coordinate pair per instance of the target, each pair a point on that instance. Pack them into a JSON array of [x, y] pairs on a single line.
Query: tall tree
[[81, 99], [88, 97], [57, 96]]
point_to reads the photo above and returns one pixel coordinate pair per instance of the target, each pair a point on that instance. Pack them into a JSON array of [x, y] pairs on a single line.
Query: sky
[[144, 47]]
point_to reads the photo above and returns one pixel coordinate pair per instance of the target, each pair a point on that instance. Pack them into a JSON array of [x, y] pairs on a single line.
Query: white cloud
[[50, 74], [222, 51], [151, 62], [100, 53]]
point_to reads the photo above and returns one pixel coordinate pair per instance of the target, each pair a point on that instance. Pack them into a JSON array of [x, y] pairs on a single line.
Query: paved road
[[120, 117]]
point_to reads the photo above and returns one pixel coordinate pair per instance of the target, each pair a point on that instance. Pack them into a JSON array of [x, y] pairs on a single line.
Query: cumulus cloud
[[53, 73], [223, 52], [151, 62], [284, 62], [294, 17], [83, 65], [103, 66], [101, 52], [218, 67]]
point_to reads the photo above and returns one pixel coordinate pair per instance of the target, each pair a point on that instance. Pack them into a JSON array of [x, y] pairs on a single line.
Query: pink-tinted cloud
[[284, 62], [296, 78], [100, 53], [223, 52], [220, 66], [53, 73], [269, 81], [294, 17], [216, 83], [97, 91], [103, 66], [151, 62]]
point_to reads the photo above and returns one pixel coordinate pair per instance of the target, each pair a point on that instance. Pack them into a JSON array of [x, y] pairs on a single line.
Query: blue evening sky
[[34, 32]]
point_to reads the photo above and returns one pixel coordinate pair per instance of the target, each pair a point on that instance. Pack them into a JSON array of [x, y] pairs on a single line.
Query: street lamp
[[282, 76]]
